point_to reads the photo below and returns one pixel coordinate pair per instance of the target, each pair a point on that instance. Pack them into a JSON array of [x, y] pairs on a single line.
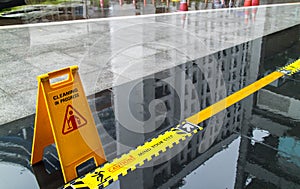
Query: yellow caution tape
[[110, 172], [291, 68]]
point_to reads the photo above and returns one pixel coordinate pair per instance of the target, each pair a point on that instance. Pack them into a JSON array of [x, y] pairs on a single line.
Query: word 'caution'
[[62, 117]]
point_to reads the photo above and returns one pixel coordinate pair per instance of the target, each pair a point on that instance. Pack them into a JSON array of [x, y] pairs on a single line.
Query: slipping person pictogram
[[100, 176], [73, 120]]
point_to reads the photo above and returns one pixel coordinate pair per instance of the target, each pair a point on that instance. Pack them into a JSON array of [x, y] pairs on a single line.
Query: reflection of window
[[167, 105], [228, 114], [219, 55], [190, 144], [234, 63], [289, 148], [193, 94], [194, 77], [192, 108], [233, 75], [186, 73], [162, 91], [209, 73], [182, 155], [203, 104], [233, 88], [223, 65], [238, 118], [245, 71], [224, 53], [216, 128], [198, 139], [222, 82], [237, 49], [208, 101], [186, 89], [203, 76], [207, 89], [165, 124], [167, 89], [210, 59], [216, 97]]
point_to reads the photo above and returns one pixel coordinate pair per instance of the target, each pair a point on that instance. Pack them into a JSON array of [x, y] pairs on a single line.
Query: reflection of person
[[73, 121]]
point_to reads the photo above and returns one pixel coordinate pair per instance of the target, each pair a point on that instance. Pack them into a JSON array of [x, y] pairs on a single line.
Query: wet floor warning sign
[[63, 117]]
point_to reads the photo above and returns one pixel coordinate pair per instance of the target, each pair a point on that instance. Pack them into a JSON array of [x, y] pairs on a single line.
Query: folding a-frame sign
[[63, 117]]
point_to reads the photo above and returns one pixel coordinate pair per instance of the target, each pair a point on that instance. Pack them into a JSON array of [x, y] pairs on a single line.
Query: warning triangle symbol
[[73, 120]]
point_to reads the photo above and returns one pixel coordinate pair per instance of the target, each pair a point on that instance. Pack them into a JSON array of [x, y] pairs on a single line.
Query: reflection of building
[[269, 163], [272, 160], [163, 99]]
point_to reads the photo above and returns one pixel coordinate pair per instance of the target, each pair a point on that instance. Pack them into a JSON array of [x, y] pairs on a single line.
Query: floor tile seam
[[115, 74], [22, 62], [5, 93], [15, 93], [120, 51]]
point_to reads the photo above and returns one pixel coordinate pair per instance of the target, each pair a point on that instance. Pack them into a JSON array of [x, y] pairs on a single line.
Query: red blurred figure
[[247, 3], [102, 3], [183, 5], [255, 2]]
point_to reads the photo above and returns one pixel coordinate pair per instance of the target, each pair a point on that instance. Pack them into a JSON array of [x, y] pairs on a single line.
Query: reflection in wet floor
[[37, 11], [255, 143]]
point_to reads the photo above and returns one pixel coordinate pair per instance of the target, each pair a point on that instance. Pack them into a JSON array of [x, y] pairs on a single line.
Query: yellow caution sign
[[63, 117], [110, 172]]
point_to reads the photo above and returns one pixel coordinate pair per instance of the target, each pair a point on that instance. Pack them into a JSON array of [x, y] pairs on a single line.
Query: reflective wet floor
[[255, 143], [164, 75]]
